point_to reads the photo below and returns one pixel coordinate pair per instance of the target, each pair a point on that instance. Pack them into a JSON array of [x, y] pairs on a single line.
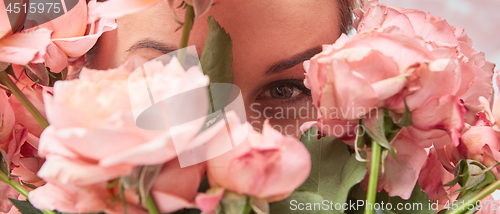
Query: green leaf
[[334, 170], [291, 204], [375, 128], [217, 59], [25, 207]]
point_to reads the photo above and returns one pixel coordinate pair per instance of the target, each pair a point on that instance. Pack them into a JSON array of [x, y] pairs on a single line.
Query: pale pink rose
[[476, 72], [93, 136], [267, 166], [175, 188]]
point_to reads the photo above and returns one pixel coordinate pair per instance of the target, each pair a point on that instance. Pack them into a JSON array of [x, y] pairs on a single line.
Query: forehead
[[260, 29]]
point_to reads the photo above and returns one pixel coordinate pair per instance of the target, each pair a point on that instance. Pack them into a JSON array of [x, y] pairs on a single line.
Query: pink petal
[[175, 188], [201, 6], [79, 172], [445, 113], [208, 202], [437, 78], [69, 198], [432, 176], [23, 48], [354, 98], [412, 158], [476, 137], [23, 116], [6, 192], [78, 46], [56, 59], [70, 24], [6, 116]]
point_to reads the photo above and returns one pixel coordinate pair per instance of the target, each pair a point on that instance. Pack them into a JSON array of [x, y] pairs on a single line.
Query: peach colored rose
[[267, 166]]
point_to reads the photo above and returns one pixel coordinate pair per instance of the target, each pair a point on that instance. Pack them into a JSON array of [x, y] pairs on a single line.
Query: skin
[[264, 33]]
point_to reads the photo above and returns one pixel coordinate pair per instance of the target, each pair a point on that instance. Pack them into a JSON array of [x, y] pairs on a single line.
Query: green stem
[[5, 79], [19, 188], [485, 192], [12, 183], [151, 205], [188, 24], [372, 182]]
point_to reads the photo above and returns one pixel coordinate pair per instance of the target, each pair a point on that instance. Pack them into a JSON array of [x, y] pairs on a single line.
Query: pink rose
[[93, 136], [385, 69], [476, 72], [267, 166]]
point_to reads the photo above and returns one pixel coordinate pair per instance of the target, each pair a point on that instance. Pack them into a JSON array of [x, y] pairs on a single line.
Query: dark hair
[[346, 15]]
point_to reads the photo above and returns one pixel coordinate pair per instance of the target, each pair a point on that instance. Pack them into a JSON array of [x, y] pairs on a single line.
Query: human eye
[[284, 92]]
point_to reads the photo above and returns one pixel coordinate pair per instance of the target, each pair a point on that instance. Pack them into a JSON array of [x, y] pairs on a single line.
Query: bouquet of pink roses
[[405, 115]]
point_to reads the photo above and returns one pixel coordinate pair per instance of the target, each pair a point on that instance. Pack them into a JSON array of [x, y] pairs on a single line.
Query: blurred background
[[480, 18]]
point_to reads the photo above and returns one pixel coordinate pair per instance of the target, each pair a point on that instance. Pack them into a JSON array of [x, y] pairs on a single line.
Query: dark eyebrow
[[149, 43], [292, 61]]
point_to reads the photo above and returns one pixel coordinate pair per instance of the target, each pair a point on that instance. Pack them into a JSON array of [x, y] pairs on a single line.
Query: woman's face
[[271, 39]]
